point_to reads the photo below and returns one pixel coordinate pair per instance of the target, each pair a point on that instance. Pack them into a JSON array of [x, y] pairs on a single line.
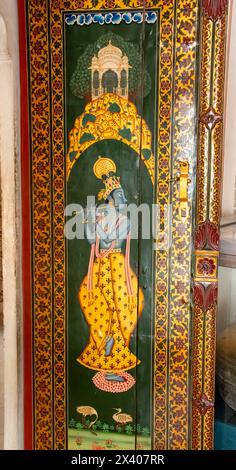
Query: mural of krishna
[[109, 295]]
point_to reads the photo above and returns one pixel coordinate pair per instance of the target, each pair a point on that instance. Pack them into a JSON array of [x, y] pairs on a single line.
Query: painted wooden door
[[122, 117]]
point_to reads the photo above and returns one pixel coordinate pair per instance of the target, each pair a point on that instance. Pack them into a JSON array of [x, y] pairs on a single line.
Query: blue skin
[[115, 203]]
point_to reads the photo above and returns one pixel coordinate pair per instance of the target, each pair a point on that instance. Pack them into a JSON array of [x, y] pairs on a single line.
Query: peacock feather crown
[[102, 169]]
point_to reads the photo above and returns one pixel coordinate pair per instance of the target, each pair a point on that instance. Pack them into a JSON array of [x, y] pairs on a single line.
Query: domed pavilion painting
[[121, 161]]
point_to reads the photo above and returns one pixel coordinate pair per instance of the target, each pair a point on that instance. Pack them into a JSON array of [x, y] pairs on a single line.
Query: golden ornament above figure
[[103, 166]]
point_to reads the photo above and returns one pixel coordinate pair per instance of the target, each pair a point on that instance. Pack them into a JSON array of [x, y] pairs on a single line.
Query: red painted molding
[[214, 8], [26, 232], [207, 234], [205, 297]]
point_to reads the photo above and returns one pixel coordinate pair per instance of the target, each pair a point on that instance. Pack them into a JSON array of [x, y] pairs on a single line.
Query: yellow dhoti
[[110, 315]]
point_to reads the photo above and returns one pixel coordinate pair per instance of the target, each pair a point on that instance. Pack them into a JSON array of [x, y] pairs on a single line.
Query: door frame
[[194, 419]]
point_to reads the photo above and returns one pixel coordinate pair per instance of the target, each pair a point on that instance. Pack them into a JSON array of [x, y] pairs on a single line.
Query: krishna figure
[[109, 295]]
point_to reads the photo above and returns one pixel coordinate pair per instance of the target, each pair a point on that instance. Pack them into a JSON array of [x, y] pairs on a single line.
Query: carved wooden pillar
[[213, 32]]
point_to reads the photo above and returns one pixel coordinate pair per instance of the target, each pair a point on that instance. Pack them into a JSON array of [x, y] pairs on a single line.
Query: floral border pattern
[[185, 90], [41, 224]]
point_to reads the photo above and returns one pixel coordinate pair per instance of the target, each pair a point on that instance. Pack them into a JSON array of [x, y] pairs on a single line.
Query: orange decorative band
[[114, 250]]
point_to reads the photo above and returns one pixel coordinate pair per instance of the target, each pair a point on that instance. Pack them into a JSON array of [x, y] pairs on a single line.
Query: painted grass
[[85, 440]]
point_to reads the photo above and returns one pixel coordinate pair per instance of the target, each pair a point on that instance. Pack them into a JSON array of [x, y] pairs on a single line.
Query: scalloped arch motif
[[214, 8], [111, 117]]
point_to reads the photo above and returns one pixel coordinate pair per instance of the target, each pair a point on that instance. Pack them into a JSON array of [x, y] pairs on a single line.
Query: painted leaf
[[146, 153], [125, 133], [72, 155], [114, 108], [88, 118], [86, 137]]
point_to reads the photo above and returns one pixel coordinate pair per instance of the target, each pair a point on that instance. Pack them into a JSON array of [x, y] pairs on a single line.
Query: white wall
[[9, 12]]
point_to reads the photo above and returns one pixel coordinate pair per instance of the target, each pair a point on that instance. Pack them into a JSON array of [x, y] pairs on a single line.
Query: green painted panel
[[140, 43]]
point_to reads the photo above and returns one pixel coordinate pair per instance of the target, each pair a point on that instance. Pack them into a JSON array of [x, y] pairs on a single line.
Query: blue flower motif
[[98, 18], [88, 19], [151, 17], [70, 19], [127, 17], [138, 18], [81, 20], [108, 18], [117, 18]]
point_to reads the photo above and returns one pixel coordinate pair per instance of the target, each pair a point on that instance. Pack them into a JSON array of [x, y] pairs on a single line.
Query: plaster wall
[[11, 336]]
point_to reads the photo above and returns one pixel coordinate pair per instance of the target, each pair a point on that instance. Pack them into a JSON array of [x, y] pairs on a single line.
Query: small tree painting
[[139, 78]]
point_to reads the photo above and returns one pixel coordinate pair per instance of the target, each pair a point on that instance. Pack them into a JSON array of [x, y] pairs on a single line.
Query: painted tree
[[139, 78]]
